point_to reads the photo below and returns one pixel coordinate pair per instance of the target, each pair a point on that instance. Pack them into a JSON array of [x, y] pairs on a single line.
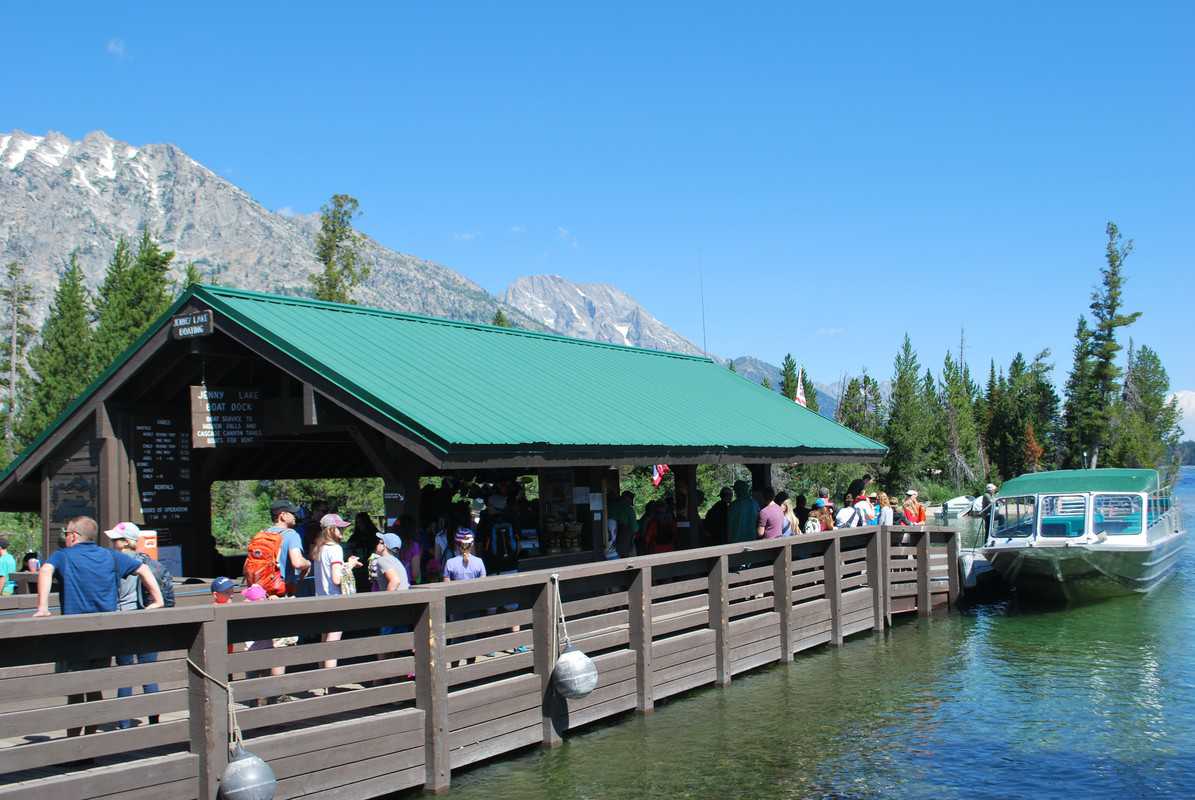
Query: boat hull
[[1087, 571]]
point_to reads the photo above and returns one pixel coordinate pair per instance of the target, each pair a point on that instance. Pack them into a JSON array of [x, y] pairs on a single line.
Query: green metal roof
[[1082, 480], [467, 389], [459, 384]]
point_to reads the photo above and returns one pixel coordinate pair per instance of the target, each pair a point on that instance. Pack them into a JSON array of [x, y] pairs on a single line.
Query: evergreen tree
[[336, 248], [500, 320], [766, 383], [730, 366], [906, 431], [811, 402], [1033, 449], [961, 436], [788, 377], [1079, 416], [1146, 427], [135, 292], [1106, 306], [192, 276], [62, 362], [16, 296]]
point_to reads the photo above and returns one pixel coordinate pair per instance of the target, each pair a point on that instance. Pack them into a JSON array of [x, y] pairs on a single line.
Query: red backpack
[[261, 563]]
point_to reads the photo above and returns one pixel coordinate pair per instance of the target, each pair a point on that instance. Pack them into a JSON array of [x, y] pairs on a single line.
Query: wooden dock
[[466, 675]]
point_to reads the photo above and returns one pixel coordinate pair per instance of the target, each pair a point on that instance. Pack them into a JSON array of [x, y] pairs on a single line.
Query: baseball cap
[[392, 540], [333, 521], [253, 593], [819, 503], [223, 585], [125, 530], [281, 505], [3, 543]]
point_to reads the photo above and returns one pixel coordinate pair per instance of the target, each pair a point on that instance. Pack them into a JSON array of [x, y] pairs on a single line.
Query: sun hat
[[333, 521], [223, 585], [392, 540], [253, 593], [125, 530], [911, 493], [991, 487]]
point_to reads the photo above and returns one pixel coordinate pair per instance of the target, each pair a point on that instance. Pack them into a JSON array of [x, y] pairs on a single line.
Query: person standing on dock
[[89, 575], [985, 510], [124, 539], [744, 514], [8, 565], [913, 510], [769, 524]]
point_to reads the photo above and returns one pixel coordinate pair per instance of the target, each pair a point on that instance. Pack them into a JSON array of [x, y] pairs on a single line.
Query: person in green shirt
[[622, 511], [8, 565]]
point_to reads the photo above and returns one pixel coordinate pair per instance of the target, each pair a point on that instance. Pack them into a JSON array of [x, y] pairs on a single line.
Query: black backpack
[[164, 578]]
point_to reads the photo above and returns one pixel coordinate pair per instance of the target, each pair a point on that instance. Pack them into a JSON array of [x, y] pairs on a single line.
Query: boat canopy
[[1082, 480]]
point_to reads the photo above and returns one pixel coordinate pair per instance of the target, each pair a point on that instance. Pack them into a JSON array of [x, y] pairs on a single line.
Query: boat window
[[1014, 516], [1063, 516], [1118, 514]]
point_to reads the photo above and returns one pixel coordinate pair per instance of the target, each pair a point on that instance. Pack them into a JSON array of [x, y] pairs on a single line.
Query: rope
[[235, 739], [558, 613]]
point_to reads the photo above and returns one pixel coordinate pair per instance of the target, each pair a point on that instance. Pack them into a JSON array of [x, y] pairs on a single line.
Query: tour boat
[[1085, 533]]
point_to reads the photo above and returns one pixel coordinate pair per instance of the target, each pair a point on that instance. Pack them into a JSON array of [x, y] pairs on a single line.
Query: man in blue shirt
[[90, 577], [291, 561]]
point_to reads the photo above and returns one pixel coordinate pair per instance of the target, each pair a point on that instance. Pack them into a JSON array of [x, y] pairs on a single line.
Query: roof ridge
[[227, 291]]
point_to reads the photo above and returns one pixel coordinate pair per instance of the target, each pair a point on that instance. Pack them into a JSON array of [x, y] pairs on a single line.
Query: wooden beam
[[208, 703], [310, 413], [543, 627], [877, 576], [719, 577], [782, 592], [923, 594], [431, 692], [833, 577], [639, 605]]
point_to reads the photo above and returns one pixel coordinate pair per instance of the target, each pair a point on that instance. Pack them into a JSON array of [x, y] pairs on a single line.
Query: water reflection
[[1001, 701]]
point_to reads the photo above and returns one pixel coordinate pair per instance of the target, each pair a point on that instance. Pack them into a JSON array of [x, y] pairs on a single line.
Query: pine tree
[[906, 432], [1033, 449], [62, 362], [192, 276], [811, 402], [336, 247], [1146, 420], [16, 296], [500, 320], [1106, 306], [766, 382], [788, 377], [730, 366], [135, 292], [957, 403], [1079, 415]]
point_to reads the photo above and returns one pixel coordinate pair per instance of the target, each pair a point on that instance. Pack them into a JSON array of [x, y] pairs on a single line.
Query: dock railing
[[429, 680]]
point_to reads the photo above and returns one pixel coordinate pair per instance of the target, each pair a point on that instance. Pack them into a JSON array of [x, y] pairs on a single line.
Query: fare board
[[162, 460], [225, 416]]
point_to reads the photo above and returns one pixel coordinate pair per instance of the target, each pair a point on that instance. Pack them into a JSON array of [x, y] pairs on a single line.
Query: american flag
[[800, 398], [658, 471]]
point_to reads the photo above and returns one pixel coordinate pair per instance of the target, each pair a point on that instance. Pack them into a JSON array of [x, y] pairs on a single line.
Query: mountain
[[58, 195], [593, 311], [608, 314]]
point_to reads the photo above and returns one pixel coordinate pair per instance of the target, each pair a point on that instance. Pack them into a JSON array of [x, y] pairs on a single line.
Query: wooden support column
[[923, 598], [782, 592], [833, 573], [641, 636], [720, 618], [431, 693], [45, 515], [686, 477], [207, 703], [952, 567], [761, 475], [886, 570], [110, 452], [876, 577], [543, 625]]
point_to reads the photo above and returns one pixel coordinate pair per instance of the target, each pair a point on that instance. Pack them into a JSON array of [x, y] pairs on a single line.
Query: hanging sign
[[225, 416], [191, 325]]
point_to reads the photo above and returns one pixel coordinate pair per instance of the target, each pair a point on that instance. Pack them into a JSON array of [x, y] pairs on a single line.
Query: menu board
[[225, 416], [162, 458]]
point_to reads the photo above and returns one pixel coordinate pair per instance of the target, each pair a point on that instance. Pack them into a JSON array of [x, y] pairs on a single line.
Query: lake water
[[994, 702]]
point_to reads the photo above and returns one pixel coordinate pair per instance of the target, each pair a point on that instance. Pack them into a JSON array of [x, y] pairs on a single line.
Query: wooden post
[[543, 625], [886, 570], [876, 577], [833, 573], [720, 618], [952, 567], [782, 592], [640, 607], [431, 693], [923, 598], [207, 703]]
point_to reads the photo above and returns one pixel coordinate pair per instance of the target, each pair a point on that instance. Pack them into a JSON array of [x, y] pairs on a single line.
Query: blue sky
[[840, 173]]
